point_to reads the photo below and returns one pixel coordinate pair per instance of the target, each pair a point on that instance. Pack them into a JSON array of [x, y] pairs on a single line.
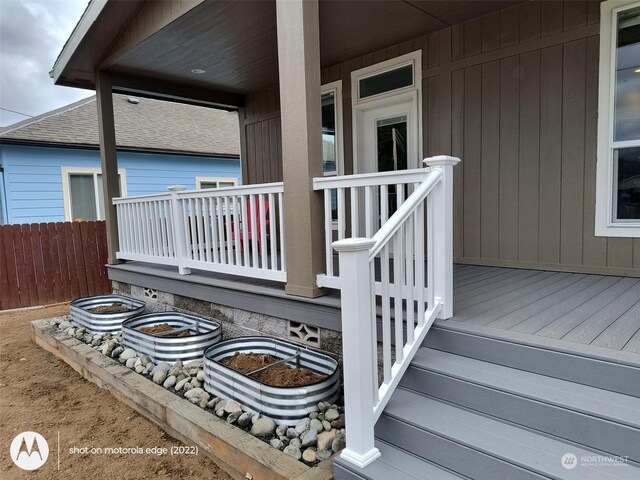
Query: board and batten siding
[[514, 94], [33, 176], [261, 137]]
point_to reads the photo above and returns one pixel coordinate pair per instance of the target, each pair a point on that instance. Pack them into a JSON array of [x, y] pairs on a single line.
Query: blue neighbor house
[[50, 164]]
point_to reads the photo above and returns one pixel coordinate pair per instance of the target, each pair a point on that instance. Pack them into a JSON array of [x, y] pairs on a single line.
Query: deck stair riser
[[484, 407], [594, 372]]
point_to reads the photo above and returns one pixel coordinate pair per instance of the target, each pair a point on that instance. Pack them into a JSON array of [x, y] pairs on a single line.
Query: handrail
[[405, 210], [141, 198], [276, 187], [399, 255], [415, 175]]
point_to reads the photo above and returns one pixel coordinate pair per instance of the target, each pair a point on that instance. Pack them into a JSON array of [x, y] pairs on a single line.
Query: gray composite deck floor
[[596, 310]]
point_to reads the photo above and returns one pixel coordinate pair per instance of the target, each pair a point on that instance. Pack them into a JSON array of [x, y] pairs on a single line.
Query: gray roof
[[149, 125]]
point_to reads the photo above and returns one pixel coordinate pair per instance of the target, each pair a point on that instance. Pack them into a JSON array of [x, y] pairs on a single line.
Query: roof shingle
[[149, 125]]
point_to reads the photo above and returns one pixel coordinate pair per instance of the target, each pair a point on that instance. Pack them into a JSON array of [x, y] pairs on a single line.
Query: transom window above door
[[392, 76]]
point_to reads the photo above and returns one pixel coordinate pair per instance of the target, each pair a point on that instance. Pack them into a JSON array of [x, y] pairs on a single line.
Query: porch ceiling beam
[[162, 90], [299, 72]]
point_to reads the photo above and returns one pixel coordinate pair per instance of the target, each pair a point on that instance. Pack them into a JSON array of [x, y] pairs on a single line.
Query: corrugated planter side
[[285, 405], [104, 322], [205, 333]]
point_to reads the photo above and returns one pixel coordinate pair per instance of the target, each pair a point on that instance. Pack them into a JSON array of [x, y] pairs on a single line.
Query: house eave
[[86, 146]]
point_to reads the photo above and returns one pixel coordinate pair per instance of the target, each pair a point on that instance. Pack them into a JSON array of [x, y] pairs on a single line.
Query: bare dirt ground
[[40, 393]]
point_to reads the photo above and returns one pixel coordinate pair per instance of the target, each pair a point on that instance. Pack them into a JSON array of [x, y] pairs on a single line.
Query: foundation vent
[[151, 293], [303, 333]]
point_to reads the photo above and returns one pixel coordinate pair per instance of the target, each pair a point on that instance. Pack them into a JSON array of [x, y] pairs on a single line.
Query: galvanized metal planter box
[[204, 333], [104, 322], [285, 405]]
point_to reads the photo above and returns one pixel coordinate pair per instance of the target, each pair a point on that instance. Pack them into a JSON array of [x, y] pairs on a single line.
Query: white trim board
[[605, 178]]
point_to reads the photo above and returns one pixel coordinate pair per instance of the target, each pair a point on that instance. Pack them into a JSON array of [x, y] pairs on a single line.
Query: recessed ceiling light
[[197, 71]]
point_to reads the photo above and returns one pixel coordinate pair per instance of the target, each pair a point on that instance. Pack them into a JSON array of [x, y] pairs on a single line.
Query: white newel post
[[358, 347], [443, 233], [179, 233]]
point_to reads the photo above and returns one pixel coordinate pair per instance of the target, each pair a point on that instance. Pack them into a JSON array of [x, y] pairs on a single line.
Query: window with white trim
[[83, 192], [618, 177], [332, 149], [215, 182]]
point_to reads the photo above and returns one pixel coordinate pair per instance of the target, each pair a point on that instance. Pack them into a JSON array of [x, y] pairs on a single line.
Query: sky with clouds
[[32, 33]]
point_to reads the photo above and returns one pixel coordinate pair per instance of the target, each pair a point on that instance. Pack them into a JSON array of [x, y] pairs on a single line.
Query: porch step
[[394, 464], [583, 367], [476, 406], [596, 418], [482, 447]]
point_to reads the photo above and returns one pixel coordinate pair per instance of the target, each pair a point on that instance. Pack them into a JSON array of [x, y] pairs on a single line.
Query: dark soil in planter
[[165, 327], [278, 376], [113, 308]]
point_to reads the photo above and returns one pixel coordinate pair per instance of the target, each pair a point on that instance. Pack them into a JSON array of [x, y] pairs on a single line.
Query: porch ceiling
[[236, 44]]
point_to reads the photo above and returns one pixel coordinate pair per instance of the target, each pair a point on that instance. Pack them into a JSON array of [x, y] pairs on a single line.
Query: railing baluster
[[418, 230], [397, 298], [355, 209], [243, 231], [368, 211], [328, 233], [283, 243], [214, 230], [221, 231], [408, 255], [227, 225], [206, 226], [253, 234], [236, 230], [272, 233], [263, 231], [386, 313], [341, 214]]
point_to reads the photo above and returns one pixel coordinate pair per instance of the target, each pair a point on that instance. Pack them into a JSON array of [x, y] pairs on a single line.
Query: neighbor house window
[[83, 193], [618, 181], [215, 182], [332, 153]]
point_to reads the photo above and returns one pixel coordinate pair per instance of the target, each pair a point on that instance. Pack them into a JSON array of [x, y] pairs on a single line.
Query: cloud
[[32, 34]]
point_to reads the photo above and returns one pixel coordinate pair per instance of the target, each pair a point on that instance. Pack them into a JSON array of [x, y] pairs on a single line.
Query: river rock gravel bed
[[313, 439]]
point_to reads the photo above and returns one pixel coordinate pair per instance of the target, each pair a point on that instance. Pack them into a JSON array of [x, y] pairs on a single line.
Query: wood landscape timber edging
[[238, 453]]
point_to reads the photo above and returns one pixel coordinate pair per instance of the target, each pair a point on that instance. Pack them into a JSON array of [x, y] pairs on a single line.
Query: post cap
[[176, 188], [353, 244], [441, 160]]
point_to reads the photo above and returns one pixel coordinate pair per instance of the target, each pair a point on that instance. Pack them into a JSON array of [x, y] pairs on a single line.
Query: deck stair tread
[[397, 464], [532, 452], [612, 406]]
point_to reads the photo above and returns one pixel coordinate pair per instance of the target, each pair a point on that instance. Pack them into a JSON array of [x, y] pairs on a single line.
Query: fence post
[[358, 347], [442, 236], [179, 233]]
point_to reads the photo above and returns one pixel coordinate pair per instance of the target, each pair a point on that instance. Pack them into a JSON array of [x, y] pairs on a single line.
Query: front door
[[387, 135]]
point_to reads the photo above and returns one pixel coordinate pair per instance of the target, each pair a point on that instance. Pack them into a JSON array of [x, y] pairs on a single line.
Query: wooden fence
[[46, 263]]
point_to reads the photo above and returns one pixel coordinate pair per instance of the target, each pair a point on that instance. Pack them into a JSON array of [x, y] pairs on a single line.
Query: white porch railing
[[235, 230], [395, 254], [358, 205]]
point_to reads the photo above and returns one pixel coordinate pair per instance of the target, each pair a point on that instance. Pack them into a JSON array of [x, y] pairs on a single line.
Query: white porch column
[[299, 66], [108, 160]]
